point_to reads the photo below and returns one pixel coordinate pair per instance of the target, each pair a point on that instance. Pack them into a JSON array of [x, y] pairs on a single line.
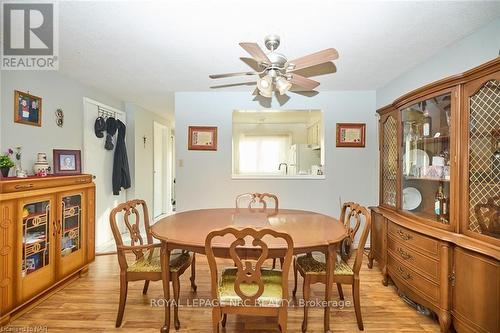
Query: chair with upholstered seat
[[146, 265], [312, 266], [249, 289], [259, 203]]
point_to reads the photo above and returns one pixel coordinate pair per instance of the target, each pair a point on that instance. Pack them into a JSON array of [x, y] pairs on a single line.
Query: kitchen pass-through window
[[278, 143]]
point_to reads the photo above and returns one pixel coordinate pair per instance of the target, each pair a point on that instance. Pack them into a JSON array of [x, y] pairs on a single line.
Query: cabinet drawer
[[412, 279], [36, 183], [425, 265], [414, 240]]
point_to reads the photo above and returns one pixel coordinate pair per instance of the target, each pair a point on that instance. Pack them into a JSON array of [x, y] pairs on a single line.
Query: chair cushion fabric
[[147, 263], [316, 263], [271, 297]]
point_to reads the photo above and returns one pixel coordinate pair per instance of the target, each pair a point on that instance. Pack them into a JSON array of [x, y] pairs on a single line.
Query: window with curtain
[[260, 154]]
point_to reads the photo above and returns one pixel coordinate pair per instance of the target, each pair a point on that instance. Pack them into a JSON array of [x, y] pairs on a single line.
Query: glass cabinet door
[[389, 160], [36, 250], [71, 224], [425, 162], [484, 160], [36, 237]]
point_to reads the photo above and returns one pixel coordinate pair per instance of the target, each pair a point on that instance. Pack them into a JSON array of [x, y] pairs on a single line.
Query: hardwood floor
[[89, 304]]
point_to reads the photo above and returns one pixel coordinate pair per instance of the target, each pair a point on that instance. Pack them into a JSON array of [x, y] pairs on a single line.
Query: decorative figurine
[[41, 167]]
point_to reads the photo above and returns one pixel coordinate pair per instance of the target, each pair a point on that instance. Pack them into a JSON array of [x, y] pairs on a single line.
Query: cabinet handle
[[20, 187], [404, 236], [404, 275], [405, 255], [59, 227]]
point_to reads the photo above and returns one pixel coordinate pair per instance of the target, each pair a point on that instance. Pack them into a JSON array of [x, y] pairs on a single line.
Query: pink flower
[[10, 151]]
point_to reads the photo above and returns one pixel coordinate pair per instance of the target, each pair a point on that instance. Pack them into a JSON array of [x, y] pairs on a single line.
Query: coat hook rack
[[105, 113]]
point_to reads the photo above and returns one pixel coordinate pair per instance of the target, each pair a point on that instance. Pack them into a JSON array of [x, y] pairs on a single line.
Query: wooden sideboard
[[46, 237], [436, 231]]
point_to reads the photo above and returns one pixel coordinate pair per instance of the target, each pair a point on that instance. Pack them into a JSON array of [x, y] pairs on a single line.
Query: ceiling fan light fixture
[[265, 86], [283, 85]]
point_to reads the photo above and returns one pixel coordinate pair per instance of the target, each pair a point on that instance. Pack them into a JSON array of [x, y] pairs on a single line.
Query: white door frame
[[164, 187], [102, 222]]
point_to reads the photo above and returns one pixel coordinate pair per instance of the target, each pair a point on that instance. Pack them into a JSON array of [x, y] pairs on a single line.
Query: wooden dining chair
[[248, 288], [147, 265], [346, 218], [312, 266], [259, 203]]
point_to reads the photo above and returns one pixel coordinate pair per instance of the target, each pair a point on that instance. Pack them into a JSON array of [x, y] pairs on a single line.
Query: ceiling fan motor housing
[[272, 42]]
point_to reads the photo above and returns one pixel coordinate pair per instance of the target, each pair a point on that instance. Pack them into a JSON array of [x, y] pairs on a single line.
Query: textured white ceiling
[[140, 51]]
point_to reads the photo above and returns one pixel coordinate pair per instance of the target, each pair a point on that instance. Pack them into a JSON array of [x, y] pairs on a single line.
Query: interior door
[[159, 169], [99, 162], [70, 231], [36, 234]]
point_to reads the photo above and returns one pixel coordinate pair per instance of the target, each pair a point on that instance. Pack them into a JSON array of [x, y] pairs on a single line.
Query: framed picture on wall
[[27, 109], [202, 138], [67, 162], [351, 135]]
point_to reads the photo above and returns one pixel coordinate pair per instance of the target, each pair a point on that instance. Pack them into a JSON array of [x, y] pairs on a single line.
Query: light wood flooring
[[89, 304]]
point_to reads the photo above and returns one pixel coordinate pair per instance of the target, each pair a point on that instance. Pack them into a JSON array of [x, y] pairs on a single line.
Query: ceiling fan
[[276, 71]]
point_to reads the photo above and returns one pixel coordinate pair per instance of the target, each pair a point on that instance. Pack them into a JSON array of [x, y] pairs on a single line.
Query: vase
[[5, 172]]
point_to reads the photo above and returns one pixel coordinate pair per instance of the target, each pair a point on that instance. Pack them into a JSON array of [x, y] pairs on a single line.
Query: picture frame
[[351, 135], [27, 109], [202, 138], [67, 162]]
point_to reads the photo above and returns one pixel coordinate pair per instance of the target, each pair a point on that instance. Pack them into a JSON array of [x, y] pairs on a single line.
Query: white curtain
[[262, 153]]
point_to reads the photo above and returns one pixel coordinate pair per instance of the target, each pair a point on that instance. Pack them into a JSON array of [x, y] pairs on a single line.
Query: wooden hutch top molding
[[436, 86]]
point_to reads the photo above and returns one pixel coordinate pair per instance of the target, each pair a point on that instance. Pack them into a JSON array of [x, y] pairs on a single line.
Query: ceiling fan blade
[[219, 76], [303, 82], [317, 70], [233, 85], [252, 63], [256, 52], [314, 59]]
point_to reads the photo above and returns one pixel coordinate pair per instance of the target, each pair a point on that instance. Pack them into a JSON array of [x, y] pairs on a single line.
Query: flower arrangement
[[6, 160]]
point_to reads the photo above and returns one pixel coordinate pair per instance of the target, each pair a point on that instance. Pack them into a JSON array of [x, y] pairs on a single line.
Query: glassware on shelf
[[425, 155]]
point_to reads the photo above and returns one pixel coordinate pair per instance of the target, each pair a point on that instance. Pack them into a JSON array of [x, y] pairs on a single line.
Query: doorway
[[161, 174], [98, 162]]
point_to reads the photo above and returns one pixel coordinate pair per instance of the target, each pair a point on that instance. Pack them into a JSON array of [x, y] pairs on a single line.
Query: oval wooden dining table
[[310, 231]]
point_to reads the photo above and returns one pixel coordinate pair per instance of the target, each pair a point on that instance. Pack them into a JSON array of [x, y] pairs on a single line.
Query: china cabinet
[[46, 237], [436, 231]]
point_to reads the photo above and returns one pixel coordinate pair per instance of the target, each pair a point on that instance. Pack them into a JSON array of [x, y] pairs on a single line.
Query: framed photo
[[27, 109], [351, 135], [67, 162], [202, 138]]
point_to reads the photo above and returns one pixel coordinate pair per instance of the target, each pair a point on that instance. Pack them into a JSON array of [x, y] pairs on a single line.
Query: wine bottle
[[427, 126], [438, 202], [444, 208]]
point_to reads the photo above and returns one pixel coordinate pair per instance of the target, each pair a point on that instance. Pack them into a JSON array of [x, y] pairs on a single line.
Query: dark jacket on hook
[[121, 171]]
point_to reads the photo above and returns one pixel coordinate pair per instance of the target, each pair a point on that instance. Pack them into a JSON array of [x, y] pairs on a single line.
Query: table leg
[[165, 277], [331, 258]]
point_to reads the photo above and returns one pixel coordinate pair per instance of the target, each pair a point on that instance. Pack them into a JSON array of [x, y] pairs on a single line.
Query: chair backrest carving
[[258, 202], [248, 270], [131, 213], [353, 211], [347, 215]]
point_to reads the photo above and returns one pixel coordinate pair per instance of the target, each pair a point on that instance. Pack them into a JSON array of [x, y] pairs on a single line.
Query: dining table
[[310, 232]]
